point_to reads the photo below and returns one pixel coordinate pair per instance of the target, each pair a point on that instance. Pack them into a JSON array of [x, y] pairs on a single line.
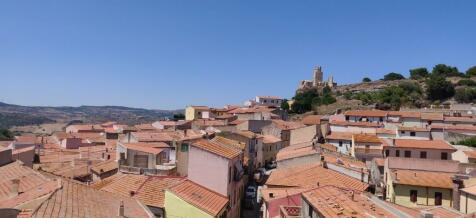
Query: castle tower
[[317, 79]]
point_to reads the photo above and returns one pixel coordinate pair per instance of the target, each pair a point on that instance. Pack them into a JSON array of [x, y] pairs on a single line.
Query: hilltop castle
[[317, 81]]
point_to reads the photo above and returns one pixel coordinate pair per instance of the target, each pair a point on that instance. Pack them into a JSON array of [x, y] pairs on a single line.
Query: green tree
[[5, 134], [471, 71], [466, 82], [366, 80], [468, 142], [438, 88], [465, 95], [179, 116], [419, 73], [285, 105], [303, 101], [445, 70], [393, 76]]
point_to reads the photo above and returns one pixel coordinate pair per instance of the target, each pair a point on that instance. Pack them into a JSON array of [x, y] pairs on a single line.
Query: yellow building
[[189, 199], [413, 188], [197, 112], [468, 200]]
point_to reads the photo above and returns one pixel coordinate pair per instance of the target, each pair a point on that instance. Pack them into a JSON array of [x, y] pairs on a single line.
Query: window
[[402, 132], [340, 143], [387, 153], [412, 134], [413, 196], [397, 153], [184, 147], [444, 156], [408, 153], [229, 175], [423, 154], [438, 198]]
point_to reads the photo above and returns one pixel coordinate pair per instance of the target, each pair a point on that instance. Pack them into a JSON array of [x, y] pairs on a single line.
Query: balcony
[[160, 170]]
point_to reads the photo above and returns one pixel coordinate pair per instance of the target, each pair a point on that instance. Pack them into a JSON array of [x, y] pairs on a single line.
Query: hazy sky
[[169, 54]]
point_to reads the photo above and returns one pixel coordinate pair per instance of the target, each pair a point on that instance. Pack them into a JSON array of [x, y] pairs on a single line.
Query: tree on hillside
[[419, 73], [366, 80], [465, 95], [5, 134], [393, 76], [438, 88], [303, 100], [285, 105], [466, 82], [445, 70], [471, 71]]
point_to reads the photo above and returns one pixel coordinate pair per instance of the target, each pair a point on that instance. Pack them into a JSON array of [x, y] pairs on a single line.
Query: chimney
[[121, 209], [15, 187], [426, 214]]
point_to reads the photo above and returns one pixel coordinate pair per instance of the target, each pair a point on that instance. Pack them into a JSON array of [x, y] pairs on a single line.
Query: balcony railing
[[163, 170]]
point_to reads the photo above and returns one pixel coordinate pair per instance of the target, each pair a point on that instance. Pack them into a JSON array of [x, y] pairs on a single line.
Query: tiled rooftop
[[311, 176], [423, 178], [423, 144], [295, 152], [199, 196], [366, 138], [224, 151], [340, 136], [150, 190], [312, 120], [366, 113], [77, 200], [333, 201]]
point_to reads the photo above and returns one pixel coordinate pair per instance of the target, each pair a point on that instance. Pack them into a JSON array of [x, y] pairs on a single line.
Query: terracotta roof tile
[[333, 201], [151, 148], [340, 136], [413, 129], [470, 190], [279, 193], [460, 119], [432, 116], [269, 139], [312, 120], [423, 144], [249, 110], [358, 124], [423, 178], [470, 154], [328, 147], [366, 138], [295, 152], [229, 142], [405, 114], [287, 125], [385, 131], [308, 176], [105, 166], [209, 201], [77, 200], [224, 151]]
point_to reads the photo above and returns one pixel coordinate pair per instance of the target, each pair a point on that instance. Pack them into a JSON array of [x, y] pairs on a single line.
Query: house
[[373, 116], [354, 127], [255, 126], [464, 154], [173, 125], [218, 168], [153, 158], [366, 147], [150, 190], [5, 156], [296, 155], [468, 200], [284, 185], [24, 141], [197, 112], [104, 170], [320, 122], [341, 140], [404, 132], [431, 118], [84, 128], [189, 199], [25, 155], [258, 113], [251, 144], [271, 147], [386, 133], [459, 120], [411, 188], [452, 133], [404, 118], [424, 149], [282, 129], [22, 187], [331, 201], [415, 182], [272, 101], [73, 198], [145, 127]]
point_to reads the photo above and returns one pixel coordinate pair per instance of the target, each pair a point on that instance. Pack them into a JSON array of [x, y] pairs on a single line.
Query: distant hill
[[17, 115]]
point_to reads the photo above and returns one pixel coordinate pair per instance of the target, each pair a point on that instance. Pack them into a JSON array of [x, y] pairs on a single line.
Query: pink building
[[219, 168]]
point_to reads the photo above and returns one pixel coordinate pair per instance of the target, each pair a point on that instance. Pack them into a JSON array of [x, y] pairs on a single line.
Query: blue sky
[[169, 54]]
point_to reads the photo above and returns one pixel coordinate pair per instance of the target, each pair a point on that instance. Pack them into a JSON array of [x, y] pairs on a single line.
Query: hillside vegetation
[[443, 84]]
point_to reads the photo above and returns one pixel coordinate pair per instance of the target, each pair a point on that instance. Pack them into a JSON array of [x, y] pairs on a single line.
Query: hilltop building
[[317, 81]]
